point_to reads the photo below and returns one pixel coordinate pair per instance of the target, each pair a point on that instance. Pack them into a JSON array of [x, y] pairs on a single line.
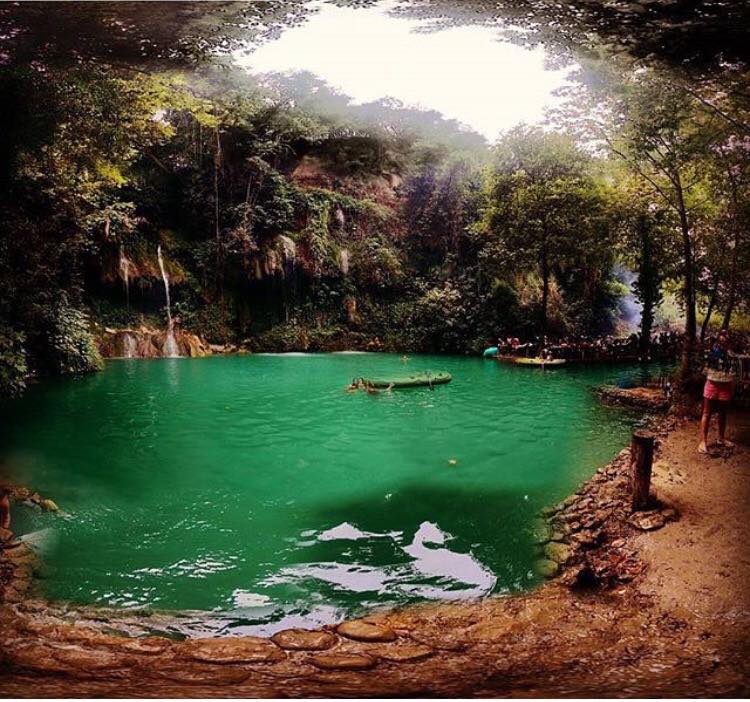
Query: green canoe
[[409, 381]]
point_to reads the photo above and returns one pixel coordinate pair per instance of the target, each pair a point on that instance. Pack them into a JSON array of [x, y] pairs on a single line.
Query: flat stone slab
[[405, 653], [364, 631], [248, 649], [204, 675], [152, 645], [36, 657], [304, 640], [90, 659], [648, 521], [343, 661]]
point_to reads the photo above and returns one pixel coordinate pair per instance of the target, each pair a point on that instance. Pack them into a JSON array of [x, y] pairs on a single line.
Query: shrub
[[71, 348], [13, 368]]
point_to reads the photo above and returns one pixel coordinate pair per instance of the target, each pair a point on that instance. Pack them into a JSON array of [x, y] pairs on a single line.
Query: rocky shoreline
[[150, 342], [585, 537], [592, 612], [645, 398]]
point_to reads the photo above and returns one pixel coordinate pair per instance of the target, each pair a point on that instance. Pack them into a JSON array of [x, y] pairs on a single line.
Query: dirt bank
[[655, 613]]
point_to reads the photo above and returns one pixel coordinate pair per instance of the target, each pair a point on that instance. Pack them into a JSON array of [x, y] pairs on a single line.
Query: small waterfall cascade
[[170, 344], [629, 308], [125, 274], [171, 350], [129, 346], [166, 284], [344, 261]]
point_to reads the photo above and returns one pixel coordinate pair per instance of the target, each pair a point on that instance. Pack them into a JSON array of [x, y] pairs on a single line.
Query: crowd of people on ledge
[[663, 344]]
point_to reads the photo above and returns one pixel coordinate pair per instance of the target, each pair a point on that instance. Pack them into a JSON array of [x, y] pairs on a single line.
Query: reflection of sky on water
[[433, 571]]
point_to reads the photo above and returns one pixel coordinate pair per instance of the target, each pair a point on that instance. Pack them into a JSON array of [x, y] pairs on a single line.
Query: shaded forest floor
[[680, 627]]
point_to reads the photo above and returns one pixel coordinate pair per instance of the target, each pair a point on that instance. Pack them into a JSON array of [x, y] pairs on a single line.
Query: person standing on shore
[[717, 392]]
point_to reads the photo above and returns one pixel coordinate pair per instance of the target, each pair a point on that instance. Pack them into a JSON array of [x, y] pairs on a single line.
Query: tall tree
[[657, 129], [645, 230], [542, 205]]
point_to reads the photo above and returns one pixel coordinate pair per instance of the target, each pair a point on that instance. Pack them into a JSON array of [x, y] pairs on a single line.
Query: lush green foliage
[[13, 367], [288, 218]]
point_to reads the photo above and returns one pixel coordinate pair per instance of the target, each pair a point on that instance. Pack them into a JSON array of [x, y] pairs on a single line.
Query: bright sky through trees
[[464, 72]]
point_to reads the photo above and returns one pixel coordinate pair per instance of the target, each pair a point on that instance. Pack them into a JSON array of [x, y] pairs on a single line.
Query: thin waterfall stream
[[171, 349], [125, 274]]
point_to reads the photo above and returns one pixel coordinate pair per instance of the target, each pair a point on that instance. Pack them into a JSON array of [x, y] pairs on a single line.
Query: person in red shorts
[[717, 392]]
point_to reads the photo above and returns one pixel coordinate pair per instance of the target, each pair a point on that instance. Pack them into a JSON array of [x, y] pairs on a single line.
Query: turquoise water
[[258, 489]]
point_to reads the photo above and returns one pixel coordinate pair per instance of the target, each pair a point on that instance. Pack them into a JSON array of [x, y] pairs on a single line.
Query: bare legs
[[722, 421], [705, 421], [721, 409]]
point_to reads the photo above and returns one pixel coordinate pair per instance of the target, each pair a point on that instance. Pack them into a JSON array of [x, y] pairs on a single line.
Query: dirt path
[[679, 628]]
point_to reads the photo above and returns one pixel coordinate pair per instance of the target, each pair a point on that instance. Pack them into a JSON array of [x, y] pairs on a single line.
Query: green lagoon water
[[255, 488]]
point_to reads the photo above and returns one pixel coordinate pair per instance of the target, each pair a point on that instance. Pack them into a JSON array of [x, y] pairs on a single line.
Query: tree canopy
[[286, 216]]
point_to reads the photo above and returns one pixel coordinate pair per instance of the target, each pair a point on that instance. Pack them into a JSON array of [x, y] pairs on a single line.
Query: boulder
[[557, 552], [49, 505], [547, 568]]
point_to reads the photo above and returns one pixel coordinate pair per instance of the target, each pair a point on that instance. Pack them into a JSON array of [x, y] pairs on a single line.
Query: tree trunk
[[733, 274], [688, 349], [641, 461], [732, 298], [728, 313], [646, 280], [710, 309], [217, 228], [545, 290]]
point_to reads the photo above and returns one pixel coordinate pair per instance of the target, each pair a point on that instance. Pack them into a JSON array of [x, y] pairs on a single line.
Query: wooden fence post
[[641, 459]]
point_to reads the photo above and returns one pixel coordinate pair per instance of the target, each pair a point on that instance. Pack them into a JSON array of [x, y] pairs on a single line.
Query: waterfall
[[128, 346], [171, 349], [166, 285], [125, 274], [629, 307], [344, 261]]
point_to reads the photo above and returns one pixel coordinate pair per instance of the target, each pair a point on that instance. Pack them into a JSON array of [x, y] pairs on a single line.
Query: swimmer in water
[[404, 359], [374, 391], [356, 385]]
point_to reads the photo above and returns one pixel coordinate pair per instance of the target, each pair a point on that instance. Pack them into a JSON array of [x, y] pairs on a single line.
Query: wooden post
[[641, 459]]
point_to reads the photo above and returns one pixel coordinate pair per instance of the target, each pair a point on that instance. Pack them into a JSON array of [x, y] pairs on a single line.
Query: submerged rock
[[557, 552], [50, 505], [546, 568], [645, 398]]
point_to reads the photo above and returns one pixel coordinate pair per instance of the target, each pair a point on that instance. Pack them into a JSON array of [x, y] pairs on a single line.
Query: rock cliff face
[[145, 342], [276, 259], [313, 172]]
